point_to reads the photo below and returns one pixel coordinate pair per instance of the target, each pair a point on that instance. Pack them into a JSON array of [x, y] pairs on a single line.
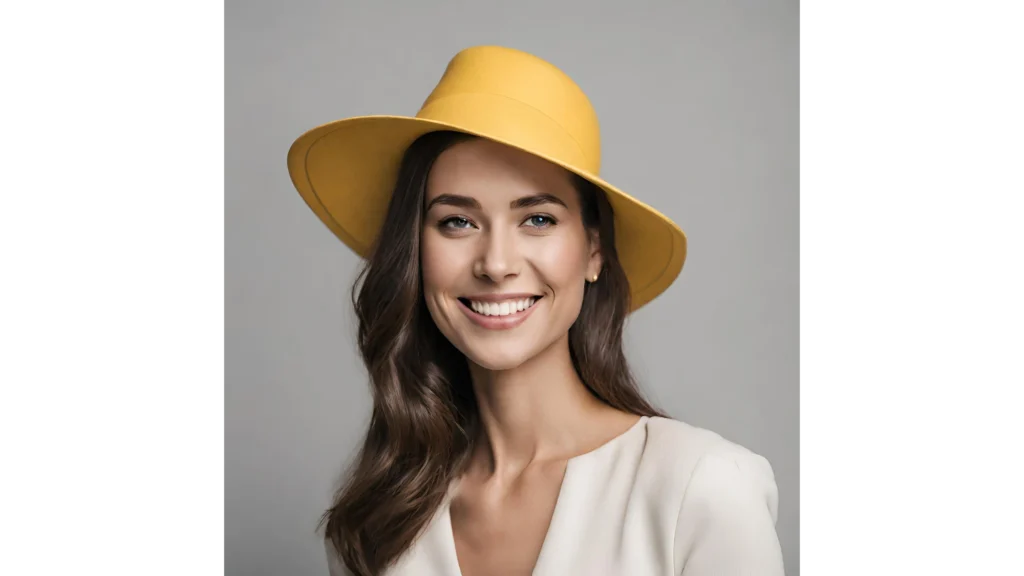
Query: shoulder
[[705, 467], [676, 435], [696, 464], [724, 495]]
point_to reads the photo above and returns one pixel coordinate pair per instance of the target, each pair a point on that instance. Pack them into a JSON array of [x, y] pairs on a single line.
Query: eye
[[456, 223], [540, 221]]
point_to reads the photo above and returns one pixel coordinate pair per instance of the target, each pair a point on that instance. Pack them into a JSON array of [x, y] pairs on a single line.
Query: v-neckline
[[556, 517]]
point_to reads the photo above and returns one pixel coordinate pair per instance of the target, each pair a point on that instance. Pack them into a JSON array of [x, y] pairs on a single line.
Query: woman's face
[[504, 252]]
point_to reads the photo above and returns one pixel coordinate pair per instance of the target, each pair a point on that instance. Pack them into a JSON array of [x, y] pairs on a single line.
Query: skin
[[536, 412]]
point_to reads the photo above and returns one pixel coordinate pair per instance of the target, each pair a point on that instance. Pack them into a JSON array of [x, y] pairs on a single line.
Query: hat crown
[[520, 99]]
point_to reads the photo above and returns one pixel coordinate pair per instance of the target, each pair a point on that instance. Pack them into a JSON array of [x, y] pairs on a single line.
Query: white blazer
[[663, 498]]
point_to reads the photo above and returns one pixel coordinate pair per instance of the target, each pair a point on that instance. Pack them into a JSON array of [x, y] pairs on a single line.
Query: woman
[[508, 435]]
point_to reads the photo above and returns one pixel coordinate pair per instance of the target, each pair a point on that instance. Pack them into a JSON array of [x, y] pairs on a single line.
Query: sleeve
[[335, 567], [726, 523]]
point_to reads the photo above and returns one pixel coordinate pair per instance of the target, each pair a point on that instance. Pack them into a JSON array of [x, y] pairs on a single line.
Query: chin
[[490, 351], [494, 359]]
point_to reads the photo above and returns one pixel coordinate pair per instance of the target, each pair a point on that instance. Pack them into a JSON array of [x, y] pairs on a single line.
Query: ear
[[595, 261]]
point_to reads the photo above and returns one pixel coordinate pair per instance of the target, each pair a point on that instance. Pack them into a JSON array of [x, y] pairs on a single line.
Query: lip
[[498, 322]]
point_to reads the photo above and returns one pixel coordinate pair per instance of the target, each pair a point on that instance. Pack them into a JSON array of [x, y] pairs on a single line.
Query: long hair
[[425, 417]]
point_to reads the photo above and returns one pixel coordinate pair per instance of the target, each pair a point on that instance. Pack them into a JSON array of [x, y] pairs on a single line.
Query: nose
[[499, 256]]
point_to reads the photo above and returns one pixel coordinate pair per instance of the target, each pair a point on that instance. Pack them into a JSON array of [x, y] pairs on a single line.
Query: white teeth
[[501, 308]]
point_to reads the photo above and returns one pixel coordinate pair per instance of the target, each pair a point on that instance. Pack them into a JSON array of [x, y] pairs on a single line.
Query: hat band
[[511, 122]]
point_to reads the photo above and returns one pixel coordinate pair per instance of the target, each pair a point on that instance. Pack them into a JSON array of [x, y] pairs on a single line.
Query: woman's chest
[[503, 538]]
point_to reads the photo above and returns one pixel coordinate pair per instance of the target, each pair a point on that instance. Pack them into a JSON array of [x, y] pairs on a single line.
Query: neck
[[535, 412]]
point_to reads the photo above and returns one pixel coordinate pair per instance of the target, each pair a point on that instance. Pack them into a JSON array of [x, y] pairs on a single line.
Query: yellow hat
[[346, 170]]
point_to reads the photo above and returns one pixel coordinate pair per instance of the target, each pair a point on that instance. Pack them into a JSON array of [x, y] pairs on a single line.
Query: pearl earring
[[594, 279]]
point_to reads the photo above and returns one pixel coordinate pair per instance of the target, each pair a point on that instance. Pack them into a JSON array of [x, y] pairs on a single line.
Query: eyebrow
[[468, 202]]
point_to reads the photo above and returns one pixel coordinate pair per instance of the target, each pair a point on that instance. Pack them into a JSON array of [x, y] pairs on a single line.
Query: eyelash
[[444, 223]]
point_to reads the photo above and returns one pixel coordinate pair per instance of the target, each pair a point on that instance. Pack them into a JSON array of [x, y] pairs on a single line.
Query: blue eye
[[456, 222], [541, 221]]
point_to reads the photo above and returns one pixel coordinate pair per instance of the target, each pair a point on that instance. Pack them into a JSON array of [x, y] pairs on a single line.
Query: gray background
[[698, 103]]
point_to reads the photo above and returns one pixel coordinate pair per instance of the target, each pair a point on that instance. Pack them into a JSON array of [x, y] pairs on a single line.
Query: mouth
[[503, 314], [510, 307]]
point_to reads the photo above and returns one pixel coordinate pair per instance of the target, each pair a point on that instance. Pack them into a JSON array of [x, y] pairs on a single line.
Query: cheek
[[443, 264], [561, 264]]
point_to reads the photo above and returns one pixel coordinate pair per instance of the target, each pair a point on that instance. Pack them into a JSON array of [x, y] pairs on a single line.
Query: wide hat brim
[[346, 171]]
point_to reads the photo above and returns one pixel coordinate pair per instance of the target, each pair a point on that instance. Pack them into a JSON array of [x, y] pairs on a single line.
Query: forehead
[[485, 169]]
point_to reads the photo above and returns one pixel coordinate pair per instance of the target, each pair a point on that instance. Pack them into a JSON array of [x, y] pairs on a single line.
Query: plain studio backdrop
[[698, 103]]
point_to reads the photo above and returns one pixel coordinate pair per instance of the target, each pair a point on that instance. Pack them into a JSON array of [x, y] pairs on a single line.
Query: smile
[[499, 314]]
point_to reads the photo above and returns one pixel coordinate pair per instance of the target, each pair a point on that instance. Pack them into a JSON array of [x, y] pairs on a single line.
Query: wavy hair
[[425, 417]]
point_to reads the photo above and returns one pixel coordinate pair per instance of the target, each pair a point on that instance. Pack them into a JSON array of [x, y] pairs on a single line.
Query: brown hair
[[424, 418]]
